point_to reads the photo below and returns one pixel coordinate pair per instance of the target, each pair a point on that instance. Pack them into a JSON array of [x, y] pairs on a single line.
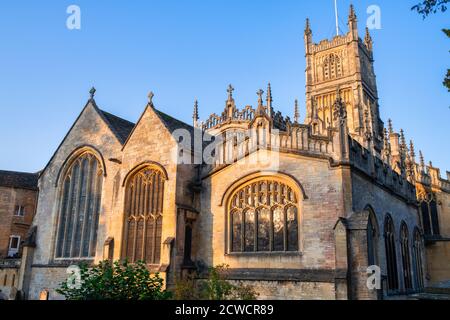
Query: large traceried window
[[143, 216], [418, 259], [391, 254], [372, 239], [263, 217], [406, 260], [430, 217], [79, 209]]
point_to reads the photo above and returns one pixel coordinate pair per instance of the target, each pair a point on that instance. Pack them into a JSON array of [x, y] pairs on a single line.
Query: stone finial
[[352, 14], [195, 116], [308, 30], [368, 40], [422, 160], [230, 92], [92, 92], [412, 151], [269, 94], [150, 98], [391, 127], [403, 140], [296, 112], [269, 100], [260, 93]]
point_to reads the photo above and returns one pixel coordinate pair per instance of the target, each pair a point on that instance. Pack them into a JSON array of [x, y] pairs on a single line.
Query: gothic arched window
[[264, 217], [406, 260], [391, 256], [80, 208], [430, 217], [332, 67], [143, 216], [372, 239], [326, 69], [418, 259]]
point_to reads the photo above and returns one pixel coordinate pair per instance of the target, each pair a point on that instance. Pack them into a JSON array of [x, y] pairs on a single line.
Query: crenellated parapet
[[328, 44], [381, 172]]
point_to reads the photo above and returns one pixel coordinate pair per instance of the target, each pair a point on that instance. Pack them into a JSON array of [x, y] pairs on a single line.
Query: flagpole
[[337, 20]]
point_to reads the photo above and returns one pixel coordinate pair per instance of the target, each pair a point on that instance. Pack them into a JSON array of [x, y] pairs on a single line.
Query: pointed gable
[[88, 126], [151, 123], [120, 127]]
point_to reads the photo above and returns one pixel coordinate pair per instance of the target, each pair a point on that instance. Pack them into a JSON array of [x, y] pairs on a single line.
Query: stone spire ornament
[[230, 93], [195, 116], [308, 35], [353, 23], [92, 93], [352, 14], [403, 140], [269, 100], [308, 30], [150, 98], [412, 152], [296, 112], [260, 109], [391, 127], [422, 161]]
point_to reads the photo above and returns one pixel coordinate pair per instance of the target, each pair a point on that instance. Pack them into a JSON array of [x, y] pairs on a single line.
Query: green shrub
[[214, 287], [118, 281]]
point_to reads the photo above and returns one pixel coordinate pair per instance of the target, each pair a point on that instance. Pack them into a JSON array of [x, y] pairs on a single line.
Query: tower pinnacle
[[391, 127], [269, 100], [195, 114], [422, 161], [412, 152], [353, 23], [296, 112], [308, 30], [352, 14]]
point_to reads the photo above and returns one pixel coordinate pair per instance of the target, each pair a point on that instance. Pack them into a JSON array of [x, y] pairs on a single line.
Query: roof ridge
[[119, 126], [173, 118], [112, 114], [18, 172]]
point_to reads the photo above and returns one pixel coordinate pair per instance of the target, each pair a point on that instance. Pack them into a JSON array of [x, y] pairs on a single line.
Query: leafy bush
[[214, 287], [118, 281]]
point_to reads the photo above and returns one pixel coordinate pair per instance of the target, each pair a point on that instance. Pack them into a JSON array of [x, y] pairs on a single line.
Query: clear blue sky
[[184, 50]]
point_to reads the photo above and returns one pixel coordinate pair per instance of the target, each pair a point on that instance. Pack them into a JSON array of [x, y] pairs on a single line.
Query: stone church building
[[297, 210]]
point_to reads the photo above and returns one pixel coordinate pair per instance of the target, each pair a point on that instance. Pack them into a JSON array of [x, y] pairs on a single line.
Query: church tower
[[343, 66]]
